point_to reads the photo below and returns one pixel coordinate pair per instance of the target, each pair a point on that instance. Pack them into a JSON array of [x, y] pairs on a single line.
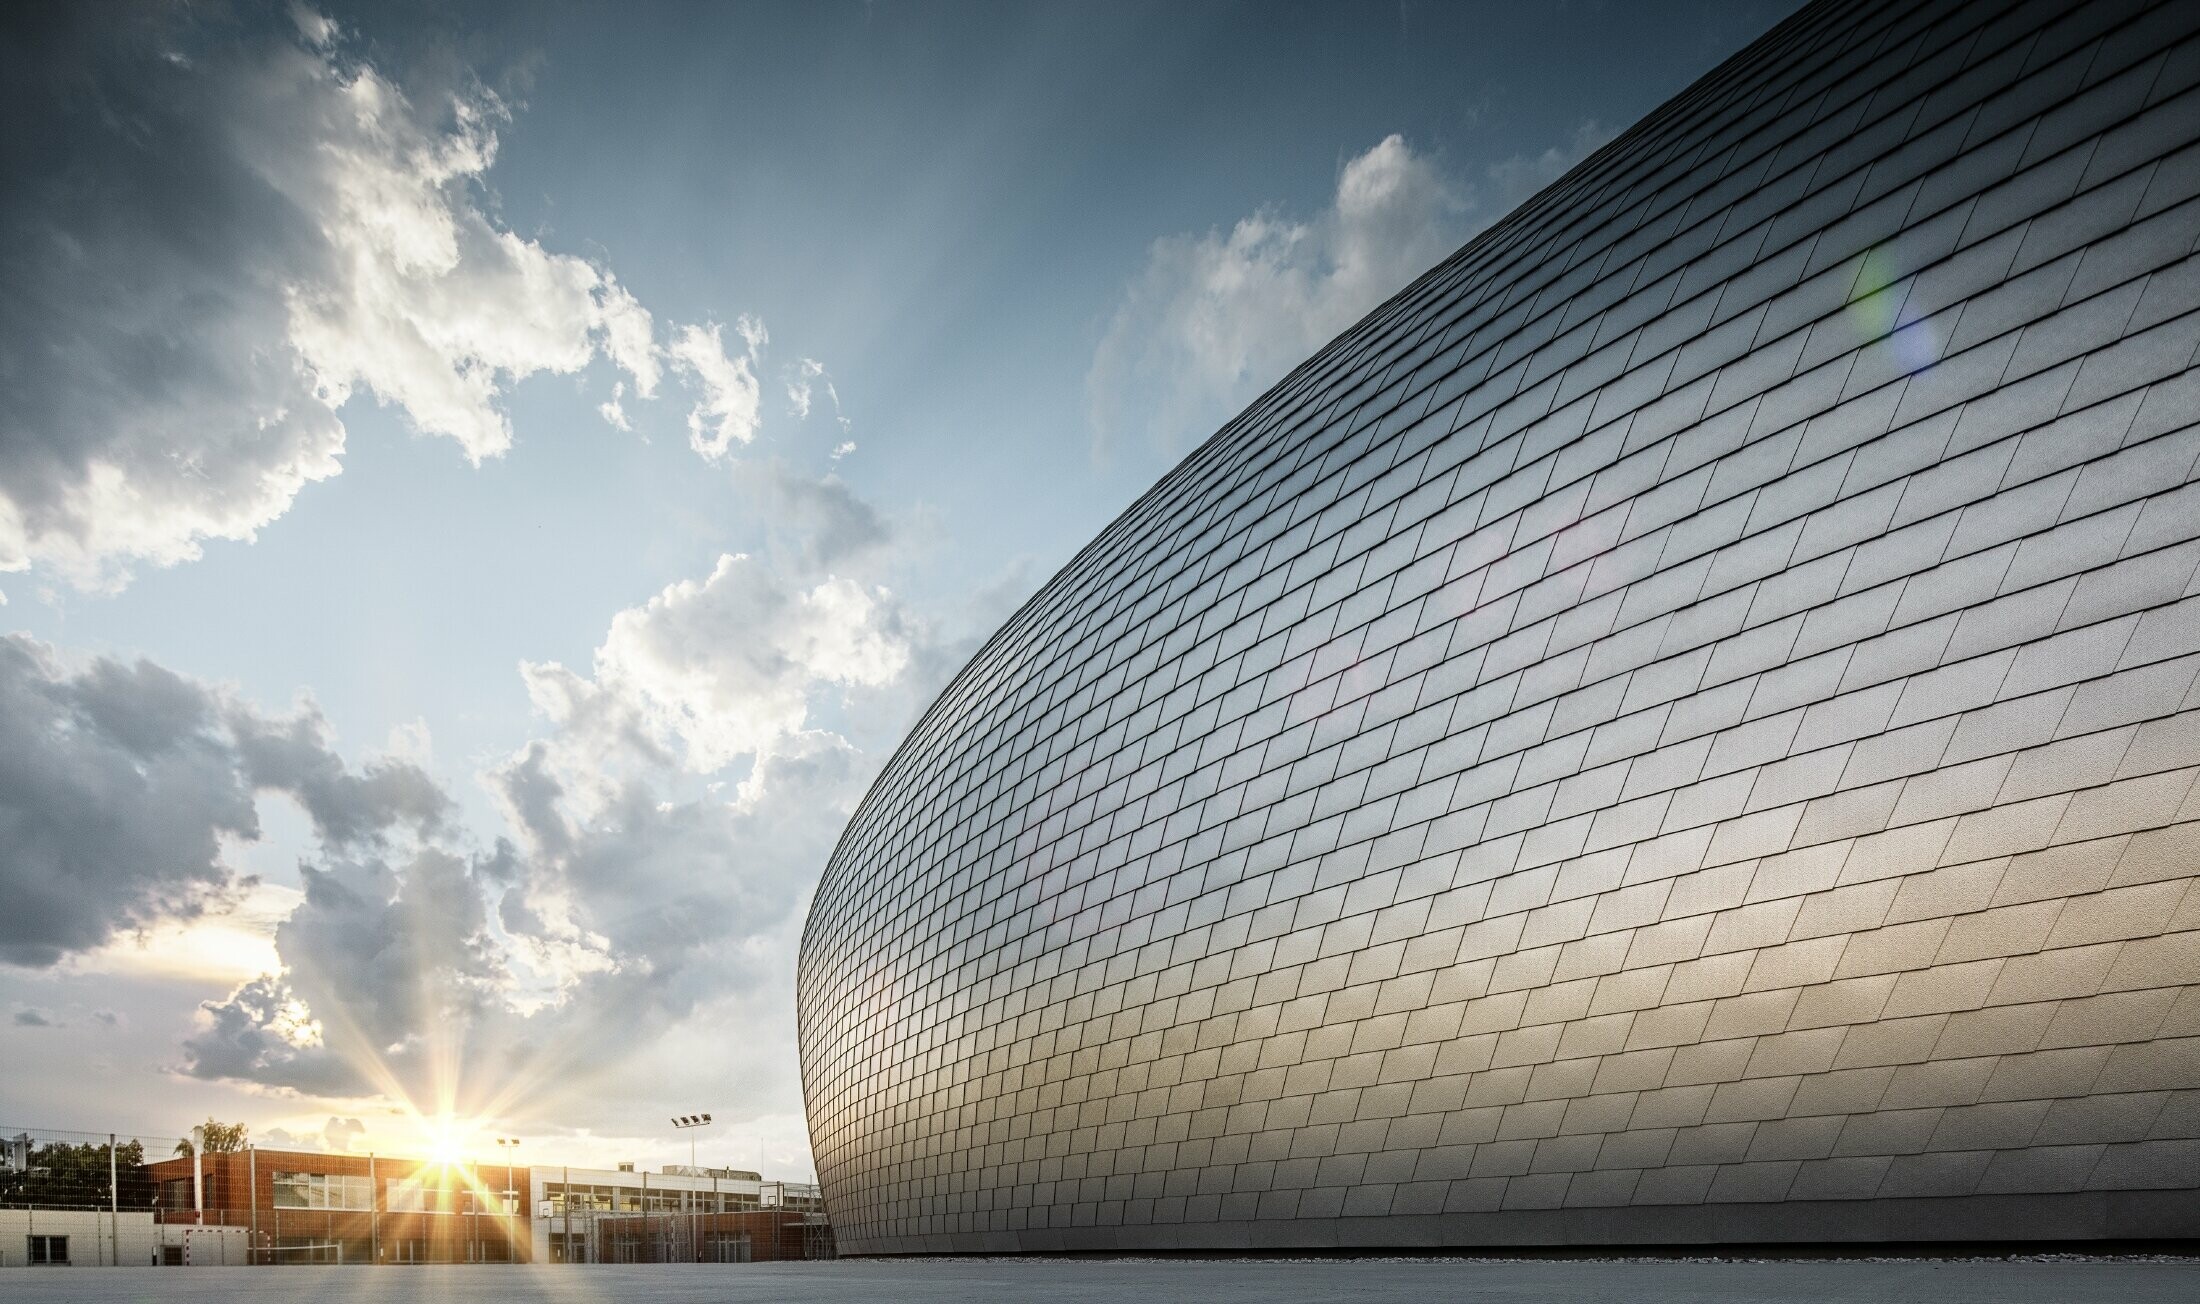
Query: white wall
[[96, 1237], [204, 1246]]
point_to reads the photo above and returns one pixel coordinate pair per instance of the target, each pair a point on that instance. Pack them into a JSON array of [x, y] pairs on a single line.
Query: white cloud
[[629, 338], [426, 301], [1214, 319], [726, 666], [315, 29], [726, 410], [252, 229], [801, 386], [613, 409]]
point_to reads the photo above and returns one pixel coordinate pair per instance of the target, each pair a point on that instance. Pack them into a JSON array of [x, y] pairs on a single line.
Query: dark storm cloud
[[216, 225], [118, 782], [375, 957], [659, 906], [293, 755], [144, 261]]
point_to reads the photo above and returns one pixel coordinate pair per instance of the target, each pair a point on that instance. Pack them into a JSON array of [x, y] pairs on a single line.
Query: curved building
[[1681, 726]]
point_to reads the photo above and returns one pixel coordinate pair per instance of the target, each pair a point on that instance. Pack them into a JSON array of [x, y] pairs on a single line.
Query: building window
[[322, 1191], [411, 1195], [48, 1249], [415, 1195]]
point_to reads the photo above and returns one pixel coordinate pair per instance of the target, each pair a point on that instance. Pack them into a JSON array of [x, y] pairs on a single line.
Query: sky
[[484, 487]]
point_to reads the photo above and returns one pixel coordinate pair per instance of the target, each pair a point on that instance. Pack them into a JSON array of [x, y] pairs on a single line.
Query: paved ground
[[996, 1281]]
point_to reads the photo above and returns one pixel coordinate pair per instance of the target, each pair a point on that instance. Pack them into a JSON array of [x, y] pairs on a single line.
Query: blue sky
[[324, 563]]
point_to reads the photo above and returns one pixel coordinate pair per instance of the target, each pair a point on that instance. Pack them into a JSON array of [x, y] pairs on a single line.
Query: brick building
[[302, 1207], [305, 1207]]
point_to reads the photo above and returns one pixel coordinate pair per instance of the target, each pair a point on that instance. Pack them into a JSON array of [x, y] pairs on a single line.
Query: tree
[[64, 1175], [221, 1138]]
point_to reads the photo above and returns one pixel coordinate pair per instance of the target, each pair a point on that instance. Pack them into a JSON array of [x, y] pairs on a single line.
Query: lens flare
[[444, 1143], [1880, 313]]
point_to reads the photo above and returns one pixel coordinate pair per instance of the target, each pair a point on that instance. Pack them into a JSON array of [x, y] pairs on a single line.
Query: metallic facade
[[1681, 726]]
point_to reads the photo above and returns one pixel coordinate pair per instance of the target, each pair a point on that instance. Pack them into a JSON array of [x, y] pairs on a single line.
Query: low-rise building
[[680, 1214], [302, 1207]]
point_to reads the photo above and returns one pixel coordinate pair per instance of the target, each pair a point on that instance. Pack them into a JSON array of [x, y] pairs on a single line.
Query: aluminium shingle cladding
[[1682, 725]]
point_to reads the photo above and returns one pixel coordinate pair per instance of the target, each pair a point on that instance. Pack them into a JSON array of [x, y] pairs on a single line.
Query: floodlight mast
[[508, 1146], [689, 1123]]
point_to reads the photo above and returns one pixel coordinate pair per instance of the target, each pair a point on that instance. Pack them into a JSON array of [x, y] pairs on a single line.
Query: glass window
[[48, 1249], [405, 1195], [322, 1191], [419, 1195], [293, 1190]]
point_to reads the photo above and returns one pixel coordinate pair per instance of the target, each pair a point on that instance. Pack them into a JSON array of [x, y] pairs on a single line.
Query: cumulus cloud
[[632, 891], [28, 1016], [214, 236], [376, 957], [725, 666], [518, 978], [1217, 317], [120, 782], [727, 406]]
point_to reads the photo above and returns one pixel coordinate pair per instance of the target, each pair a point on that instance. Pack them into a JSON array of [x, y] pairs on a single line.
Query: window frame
[[39, 1249]]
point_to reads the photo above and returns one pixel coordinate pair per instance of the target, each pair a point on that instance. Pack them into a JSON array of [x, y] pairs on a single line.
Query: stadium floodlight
[[688, 1123]]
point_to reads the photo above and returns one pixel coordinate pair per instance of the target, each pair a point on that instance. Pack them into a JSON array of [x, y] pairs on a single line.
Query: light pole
[[688, 1123], [691, 1124], [508, 1147]]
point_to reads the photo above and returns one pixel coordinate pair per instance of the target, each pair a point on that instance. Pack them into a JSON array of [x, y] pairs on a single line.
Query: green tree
[[221, 1138], [64, 1175]]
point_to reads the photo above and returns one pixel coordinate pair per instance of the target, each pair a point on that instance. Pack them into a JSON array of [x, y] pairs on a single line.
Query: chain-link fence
[[45, 1168], [92, 1198], [758, 1236]]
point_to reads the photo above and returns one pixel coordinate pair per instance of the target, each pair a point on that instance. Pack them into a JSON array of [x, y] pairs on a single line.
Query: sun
[[445, 1143]]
